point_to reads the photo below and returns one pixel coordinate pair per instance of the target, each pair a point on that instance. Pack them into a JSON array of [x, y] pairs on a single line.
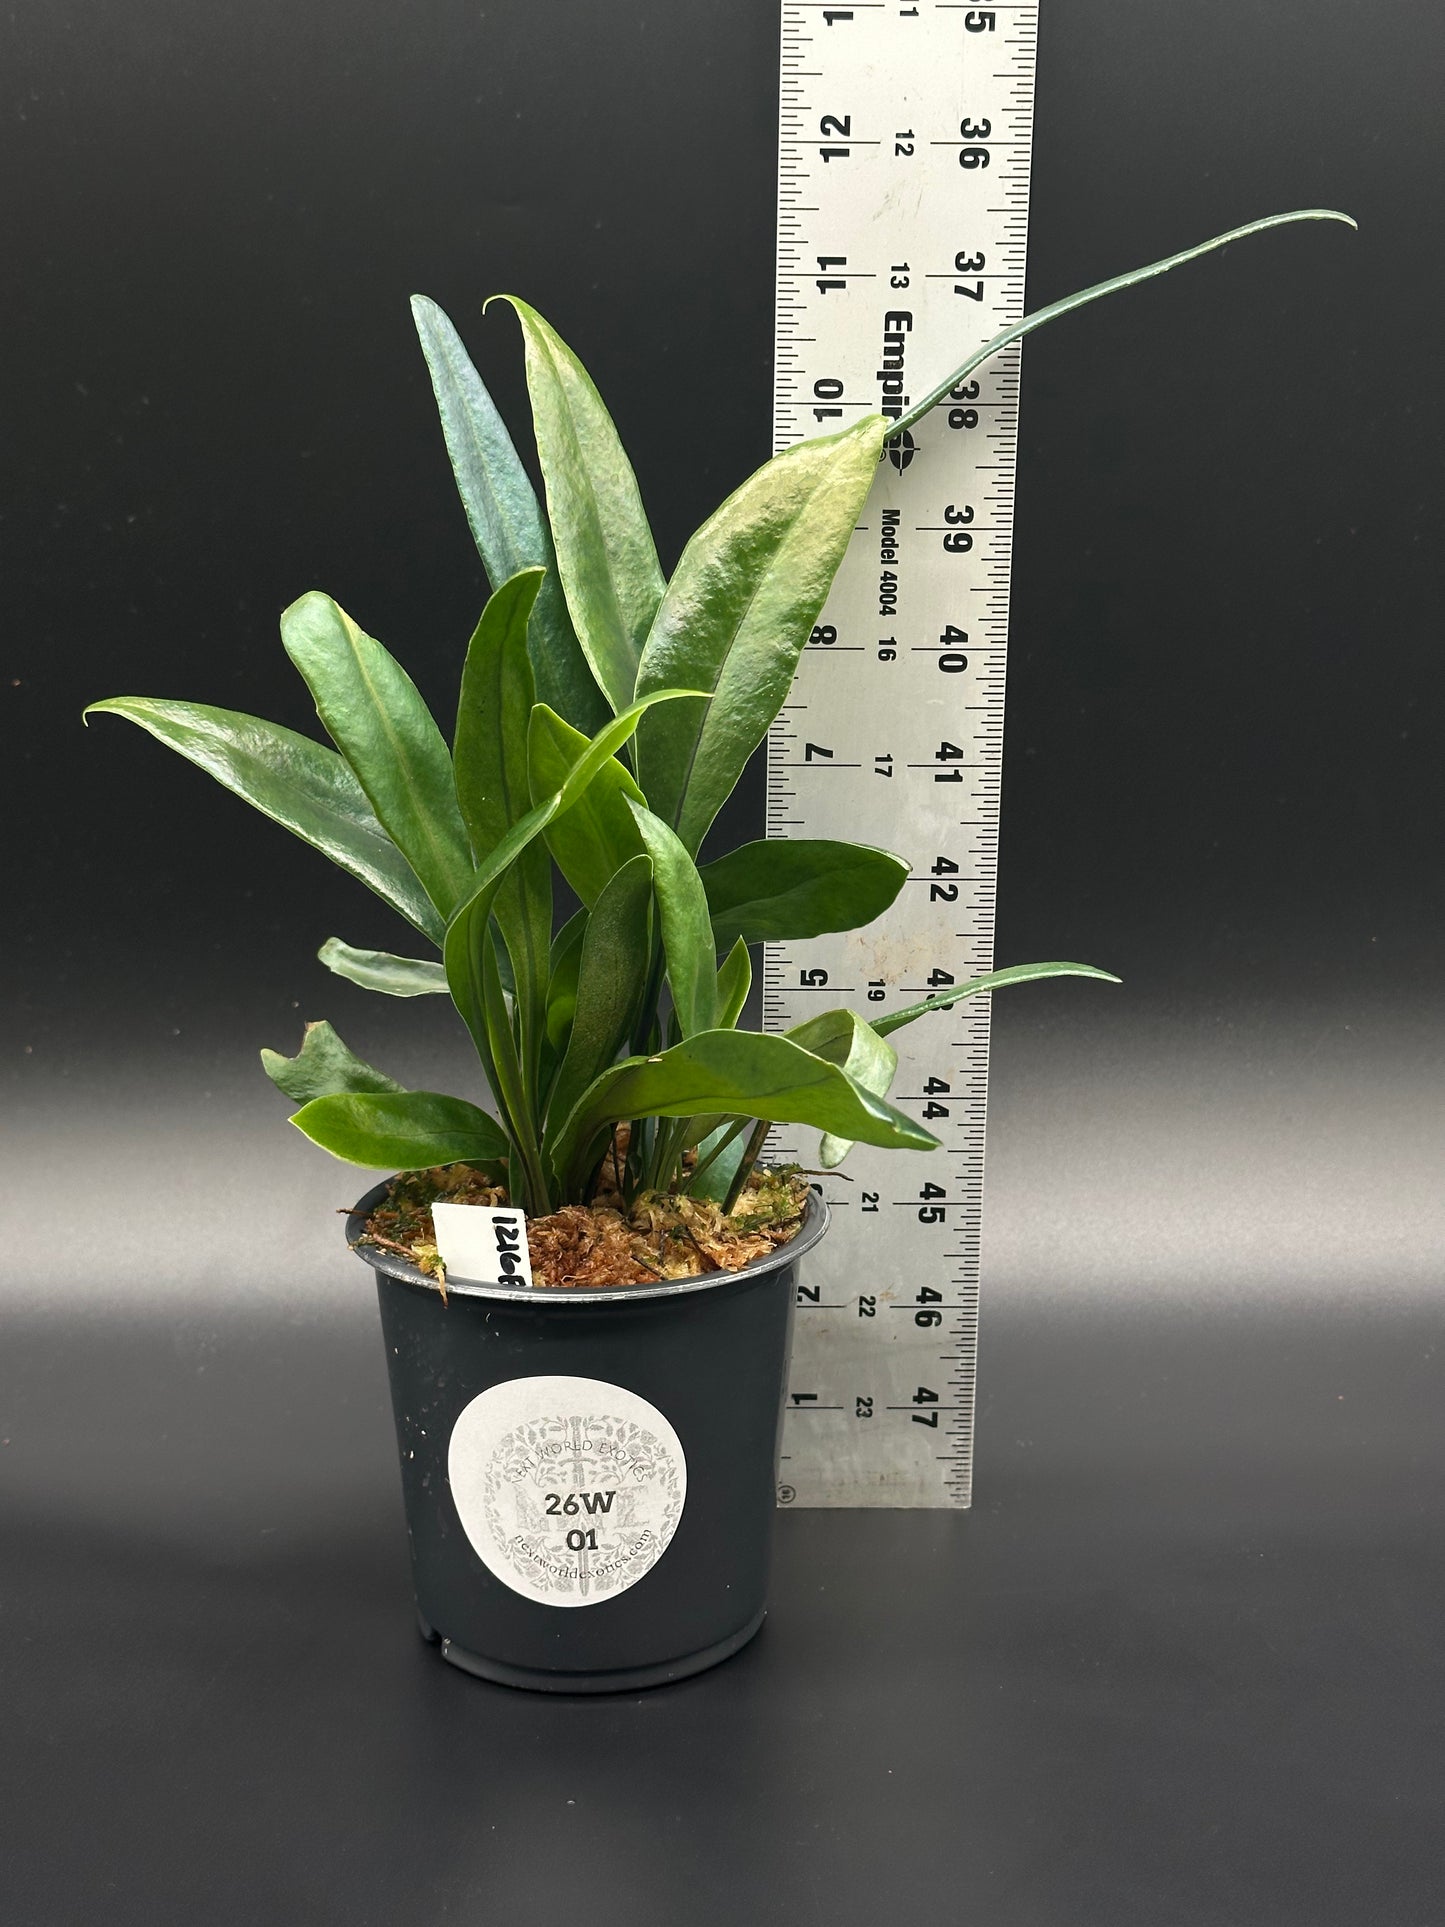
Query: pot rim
[[816, 1218]]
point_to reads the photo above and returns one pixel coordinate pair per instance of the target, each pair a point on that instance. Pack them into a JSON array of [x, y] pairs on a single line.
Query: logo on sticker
[[569, 1489]]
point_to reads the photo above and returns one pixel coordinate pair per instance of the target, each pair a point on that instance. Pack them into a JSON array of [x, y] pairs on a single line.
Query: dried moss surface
[[600, 1244]]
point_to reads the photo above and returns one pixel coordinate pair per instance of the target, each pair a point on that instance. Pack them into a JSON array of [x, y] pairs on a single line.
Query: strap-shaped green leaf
[[737, 613], [506, 522], [402, 1130], [493, 708], [734, 981], [597, 836], [738, 1072], [302, 785], [477, 905], [515, 1099], [490, 756], [995, 980], [323, 1067], [566, 965], [612, 736], [1100, 288], [380, 970], [687, 939], [611, 965], [842, 1037], [375, 715], [605, 551], [464, 948], [719, 1153], [784, 889]]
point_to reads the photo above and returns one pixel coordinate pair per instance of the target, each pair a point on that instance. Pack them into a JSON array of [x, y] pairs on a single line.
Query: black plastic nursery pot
[[589, 1475]]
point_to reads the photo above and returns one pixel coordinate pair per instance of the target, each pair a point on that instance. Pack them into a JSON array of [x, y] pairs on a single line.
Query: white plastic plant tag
[[483, 1244]]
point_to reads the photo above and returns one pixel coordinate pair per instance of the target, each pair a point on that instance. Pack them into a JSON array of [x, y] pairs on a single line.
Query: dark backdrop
[[1224, 771], [1177, 1665], [1223, 778]]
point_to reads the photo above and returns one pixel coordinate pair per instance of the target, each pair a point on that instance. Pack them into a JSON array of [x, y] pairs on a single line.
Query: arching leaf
[[605, 552], [736, 1073], [609, 981], [302, 785], [323, 1067], [787, 888], [597, 836], [737, 613], [402, 1130], [380, 970], [375, 715], [687, 939], [506, 521]]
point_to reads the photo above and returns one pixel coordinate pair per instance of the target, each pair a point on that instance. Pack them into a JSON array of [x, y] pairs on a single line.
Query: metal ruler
[[903, 211]]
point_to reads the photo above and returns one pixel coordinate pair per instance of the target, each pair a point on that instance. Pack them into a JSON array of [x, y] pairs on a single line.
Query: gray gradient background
[[1182, 1663]]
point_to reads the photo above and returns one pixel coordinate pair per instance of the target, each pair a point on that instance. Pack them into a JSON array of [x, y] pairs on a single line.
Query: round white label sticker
[[569, 1489]]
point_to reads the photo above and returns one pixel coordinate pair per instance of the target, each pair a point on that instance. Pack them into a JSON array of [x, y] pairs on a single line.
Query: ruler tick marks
[[921, 618]]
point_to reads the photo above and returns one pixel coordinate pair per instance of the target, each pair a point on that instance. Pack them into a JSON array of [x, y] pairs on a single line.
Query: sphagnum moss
[[657, 1236]]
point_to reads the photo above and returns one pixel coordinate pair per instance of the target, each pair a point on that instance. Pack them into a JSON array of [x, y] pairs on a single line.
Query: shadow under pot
[[590, 1475]]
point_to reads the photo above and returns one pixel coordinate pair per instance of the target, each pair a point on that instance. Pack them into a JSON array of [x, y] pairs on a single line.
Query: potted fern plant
[[588, 1413]]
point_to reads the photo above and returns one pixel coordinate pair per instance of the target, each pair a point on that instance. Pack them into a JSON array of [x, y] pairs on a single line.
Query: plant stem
[[745, 1169], [662, 1130], [636, 1160], [654, 1147], [537, 1198], [670, 1152]]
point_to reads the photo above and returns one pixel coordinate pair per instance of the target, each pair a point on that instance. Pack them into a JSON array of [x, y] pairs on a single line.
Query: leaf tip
[[304, 603], [303, 1120]]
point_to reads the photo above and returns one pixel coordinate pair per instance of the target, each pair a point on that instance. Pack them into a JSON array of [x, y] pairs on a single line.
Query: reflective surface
[[1181, 1665]]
